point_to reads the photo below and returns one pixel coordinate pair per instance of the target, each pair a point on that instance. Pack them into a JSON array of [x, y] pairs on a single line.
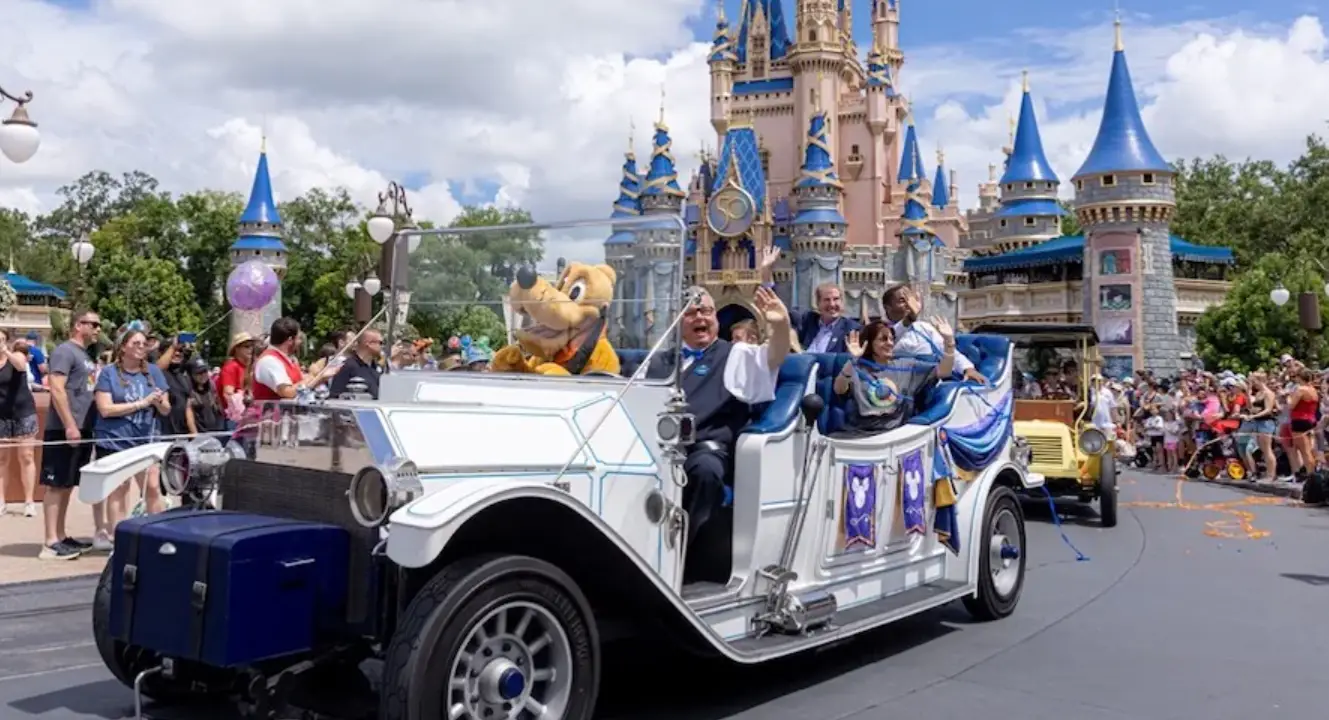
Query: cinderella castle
[[819, 157]]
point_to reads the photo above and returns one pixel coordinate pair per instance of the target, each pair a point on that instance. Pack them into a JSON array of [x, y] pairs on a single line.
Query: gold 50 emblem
[[731, 212]]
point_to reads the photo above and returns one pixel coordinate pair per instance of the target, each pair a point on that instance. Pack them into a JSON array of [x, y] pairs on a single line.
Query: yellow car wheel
[[1236, 470]]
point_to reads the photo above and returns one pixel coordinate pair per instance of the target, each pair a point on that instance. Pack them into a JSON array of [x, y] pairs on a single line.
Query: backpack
[[1315, 490]]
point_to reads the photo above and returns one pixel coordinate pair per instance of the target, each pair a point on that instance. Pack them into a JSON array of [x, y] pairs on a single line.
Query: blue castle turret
[[924, 264], [941, 191], [260, 238], [1124, 199], [1030, 213], [619, 245], [655, 264], [818, 227]]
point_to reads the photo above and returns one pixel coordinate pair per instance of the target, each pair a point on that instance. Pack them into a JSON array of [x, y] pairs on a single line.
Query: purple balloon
[[251, 286]]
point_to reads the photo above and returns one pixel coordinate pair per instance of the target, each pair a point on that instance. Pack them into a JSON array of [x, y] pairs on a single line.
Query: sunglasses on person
[[93, 323]]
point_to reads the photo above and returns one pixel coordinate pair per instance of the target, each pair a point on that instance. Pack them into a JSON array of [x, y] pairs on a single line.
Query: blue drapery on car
[[973, 447]]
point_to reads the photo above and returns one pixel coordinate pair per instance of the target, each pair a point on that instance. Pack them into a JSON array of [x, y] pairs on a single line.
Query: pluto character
[[566, 324]]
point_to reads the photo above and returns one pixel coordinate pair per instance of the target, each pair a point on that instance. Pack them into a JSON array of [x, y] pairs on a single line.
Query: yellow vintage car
[[1076, 458]]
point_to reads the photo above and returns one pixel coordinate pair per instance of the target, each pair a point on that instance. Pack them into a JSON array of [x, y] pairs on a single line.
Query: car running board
[[852, 620]]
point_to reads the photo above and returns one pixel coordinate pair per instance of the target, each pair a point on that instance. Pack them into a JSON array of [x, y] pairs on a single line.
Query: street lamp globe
[[19, 138], [351, 287], [380, 225], [1326, 288], [1280, 295], [372, 285], [82, 249]]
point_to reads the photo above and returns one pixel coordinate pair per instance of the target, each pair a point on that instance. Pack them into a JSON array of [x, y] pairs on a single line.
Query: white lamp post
[[1280, 295], [380, 224], [19, 138], [83, 249], [372, 284]]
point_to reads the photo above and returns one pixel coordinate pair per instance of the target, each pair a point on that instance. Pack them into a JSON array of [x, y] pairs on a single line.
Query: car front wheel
[[1002, 557], [494, 637]]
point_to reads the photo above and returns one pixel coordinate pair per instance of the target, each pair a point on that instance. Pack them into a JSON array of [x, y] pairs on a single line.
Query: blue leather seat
[[987, 352], [771, 417]]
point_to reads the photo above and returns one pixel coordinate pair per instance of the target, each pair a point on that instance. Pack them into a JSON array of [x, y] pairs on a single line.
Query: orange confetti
[[1238, 525]]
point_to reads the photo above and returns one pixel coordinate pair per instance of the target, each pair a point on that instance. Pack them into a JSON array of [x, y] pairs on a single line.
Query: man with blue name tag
[[721, 381]]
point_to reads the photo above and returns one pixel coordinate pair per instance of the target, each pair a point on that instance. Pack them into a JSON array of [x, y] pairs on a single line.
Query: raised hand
[[943, 328], [766, 265], [770, 307], [853, 343]]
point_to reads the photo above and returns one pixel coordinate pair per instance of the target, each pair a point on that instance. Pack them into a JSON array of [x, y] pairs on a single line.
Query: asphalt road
[[1212, 607]]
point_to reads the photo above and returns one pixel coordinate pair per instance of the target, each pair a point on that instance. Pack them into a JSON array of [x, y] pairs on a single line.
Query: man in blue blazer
[[826, 330]]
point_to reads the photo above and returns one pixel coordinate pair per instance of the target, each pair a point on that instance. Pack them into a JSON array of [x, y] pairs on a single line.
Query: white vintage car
[[480, 534]]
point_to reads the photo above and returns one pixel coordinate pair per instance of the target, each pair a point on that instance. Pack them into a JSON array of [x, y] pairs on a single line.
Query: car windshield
[[1046, 372], [558, 290]]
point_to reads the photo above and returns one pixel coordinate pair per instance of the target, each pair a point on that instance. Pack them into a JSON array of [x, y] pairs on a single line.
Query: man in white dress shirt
[[721, 381], [917, 338]]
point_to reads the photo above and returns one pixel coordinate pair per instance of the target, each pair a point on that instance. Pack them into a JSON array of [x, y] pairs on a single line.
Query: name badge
[[701, 370]]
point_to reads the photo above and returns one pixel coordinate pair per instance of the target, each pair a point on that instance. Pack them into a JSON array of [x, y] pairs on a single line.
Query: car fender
[[972, 505]]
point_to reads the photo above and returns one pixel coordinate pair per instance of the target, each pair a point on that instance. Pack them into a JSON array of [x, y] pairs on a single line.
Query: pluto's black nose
[[526, 277]]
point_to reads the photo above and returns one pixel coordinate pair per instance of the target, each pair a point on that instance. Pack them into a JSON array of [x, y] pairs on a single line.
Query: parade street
[[1205, 602]]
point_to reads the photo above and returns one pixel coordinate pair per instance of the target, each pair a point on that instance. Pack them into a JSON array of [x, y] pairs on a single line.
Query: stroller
[[1217, 453]]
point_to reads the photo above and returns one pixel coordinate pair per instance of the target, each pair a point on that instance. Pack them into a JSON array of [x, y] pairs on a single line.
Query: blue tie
[[691, 354]]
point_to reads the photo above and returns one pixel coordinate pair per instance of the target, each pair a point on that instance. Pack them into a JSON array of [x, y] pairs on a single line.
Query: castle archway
[[728, 315]]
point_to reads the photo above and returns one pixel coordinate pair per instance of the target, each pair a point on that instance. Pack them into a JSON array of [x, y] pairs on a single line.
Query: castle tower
[[886, 32], [722, 61], [619, 246], [817, 60], [925, 264], [1030, 213], [1124, 200], [260, 237], [818, 228], [880, 91], [656, 253]]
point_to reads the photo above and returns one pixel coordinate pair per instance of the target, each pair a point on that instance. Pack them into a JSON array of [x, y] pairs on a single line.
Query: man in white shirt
[[1105, 408], [721, 381], [917, 338]]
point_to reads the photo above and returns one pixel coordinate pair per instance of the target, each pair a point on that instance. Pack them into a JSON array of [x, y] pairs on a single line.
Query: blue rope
[[1056, 519]]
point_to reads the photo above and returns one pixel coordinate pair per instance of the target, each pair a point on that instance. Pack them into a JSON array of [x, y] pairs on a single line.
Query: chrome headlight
[[196, 465], [376, 492], [1021, 453], [1092, 441]]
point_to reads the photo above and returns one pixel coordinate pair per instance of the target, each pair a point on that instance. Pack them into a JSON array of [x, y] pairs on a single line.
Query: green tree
[[326, 245], [127, 287], [1069, 224], [1249, 331], [477, 321]]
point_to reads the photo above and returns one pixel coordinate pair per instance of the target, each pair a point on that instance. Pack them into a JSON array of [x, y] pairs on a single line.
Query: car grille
[[1047, 451], [312, 496]]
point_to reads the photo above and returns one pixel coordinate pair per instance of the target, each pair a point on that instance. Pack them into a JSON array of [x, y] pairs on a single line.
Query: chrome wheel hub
[[1004, 553], [515, 664]]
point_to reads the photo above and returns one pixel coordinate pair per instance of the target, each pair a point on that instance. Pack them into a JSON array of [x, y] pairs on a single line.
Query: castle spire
[[1027, 162], [660, 189], [260, 224], [773, 23], [818, 163], [910, 163], [1123, 143], [629, 187], [722, 44], [914, 219], [941, 196]]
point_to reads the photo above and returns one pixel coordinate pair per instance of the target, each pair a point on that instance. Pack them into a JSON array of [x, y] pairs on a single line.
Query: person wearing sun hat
[[233, 381]]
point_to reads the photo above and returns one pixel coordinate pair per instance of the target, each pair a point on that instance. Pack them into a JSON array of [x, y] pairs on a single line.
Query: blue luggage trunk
[[227, 589]]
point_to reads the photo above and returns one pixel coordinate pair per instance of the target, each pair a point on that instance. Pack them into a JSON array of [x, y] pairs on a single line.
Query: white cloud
[[536, 97], [1205, 87]]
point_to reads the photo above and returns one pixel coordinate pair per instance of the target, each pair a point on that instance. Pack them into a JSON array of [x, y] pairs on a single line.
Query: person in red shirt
[[277, 373], [232, 385]]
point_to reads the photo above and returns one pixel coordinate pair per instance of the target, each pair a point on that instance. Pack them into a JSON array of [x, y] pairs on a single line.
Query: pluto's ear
[[608, 272]]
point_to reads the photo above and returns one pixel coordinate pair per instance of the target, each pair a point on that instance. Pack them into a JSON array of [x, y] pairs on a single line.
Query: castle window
[[1079, 184], [1003, 223], [812, 36], [1028, 186], [1029, 221], [853, 149], [1109, 181], [1010, 186], [1147, 179], [1051, 186]]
